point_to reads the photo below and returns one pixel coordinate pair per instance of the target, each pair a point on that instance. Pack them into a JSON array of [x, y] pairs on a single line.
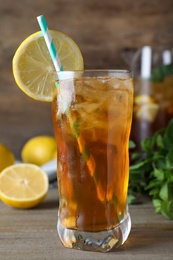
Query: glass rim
[[96, 70], [93, 73]]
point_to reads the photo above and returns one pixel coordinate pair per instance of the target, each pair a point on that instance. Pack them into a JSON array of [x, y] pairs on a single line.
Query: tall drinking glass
[[92, 113]]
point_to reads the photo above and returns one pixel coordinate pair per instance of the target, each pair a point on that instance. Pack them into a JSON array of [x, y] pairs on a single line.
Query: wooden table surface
[[31, 234]]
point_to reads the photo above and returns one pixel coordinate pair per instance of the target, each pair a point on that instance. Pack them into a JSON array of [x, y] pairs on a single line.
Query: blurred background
[[107, 32]]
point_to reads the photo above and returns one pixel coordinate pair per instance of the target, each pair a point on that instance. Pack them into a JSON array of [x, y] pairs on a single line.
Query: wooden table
[[31, 234]]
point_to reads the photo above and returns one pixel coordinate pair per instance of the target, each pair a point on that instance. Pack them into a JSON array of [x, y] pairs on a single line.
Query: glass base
[[102, 241]]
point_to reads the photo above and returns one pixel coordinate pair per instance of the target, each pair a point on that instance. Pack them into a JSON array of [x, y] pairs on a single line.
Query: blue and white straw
[[49, 43]]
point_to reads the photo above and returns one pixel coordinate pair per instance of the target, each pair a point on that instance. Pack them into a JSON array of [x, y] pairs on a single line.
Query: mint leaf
[[167, 209], [169, 132], [153, 184], [158, 174], [157, 205], [160, 162], [147, 144], [169, 175], [163, 194], [131, 198], [140, 164], [135, 156], [154, 192], [169, 160], [131, 144], [159, 141]]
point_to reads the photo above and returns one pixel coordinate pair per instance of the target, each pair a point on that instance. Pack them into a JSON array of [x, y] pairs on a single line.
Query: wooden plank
[[31, 234]]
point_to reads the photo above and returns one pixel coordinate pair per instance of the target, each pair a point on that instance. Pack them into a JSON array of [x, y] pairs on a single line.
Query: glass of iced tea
[[92, 114]]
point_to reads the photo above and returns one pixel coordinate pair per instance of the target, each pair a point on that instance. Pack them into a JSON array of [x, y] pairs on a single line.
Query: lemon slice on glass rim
[[33, 67], [23, 185]]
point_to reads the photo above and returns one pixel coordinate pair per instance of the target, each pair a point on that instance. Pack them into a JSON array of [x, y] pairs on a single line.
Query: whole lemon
[[39, 150], [6, 157]]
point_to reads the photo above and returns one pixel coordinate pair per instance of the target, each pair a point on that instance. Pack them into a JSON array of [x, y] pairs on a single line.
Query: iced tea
[[92, 120]]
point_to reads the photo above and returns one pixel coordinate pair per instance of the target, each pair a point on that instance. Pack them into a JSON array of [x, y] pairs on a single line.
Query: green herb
[[152, 171], [158, 74]]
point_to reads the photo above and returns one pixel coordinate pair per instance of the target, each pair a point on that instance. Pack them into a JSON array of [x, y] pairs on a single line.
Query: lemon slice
[[143, 99], [32, 65], [23, 185], [148, 112]]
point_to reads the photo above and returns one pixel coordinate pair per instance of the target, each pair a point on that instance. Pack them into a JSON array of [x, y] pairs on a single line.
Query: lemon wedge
[[23, 185], [32, 65]]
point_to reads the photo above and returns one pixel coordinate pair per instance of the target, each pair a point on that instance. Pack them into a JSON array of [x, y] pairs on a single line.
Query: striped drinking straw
[[49, 42], [72, 119]]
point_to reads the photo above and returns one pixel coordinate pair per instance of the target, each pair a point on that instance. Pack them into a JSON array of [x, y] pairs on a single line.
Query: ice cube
[[66, 95]]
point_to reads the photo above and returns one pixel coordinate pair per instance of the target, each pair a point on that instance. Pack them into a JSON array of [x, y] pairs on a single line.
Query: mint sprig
[[152, 171]]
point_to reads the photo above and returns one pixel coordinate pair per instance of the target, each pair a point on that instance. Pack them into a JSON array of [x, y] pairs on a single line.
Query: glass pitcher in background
[[153, 93]]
